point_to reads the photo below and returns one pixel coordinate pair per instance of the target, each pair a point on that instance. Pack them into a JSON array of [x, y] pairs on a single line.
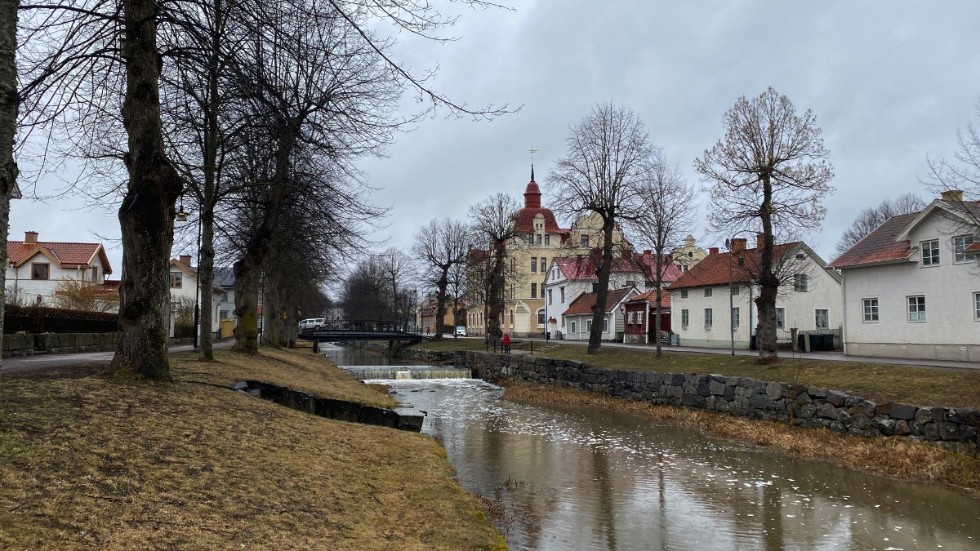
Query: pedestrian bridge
[[363, 330]]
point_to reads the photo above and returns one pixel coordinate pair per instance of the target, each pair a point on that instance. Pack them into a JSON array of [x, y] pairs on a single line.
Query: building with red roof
[[641, 316], [911, 287], [540, 240], [36, 268], [578, 315], [809, 300]]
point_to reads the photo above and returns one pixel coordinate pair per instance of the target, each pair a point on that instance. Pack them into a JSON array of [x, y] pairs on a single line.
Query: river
[[561, 478]]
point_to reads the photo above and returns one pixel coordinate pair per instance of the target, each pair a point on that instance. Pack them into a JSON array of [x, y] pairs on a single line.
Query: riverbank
[[91, 460], [899, 458]]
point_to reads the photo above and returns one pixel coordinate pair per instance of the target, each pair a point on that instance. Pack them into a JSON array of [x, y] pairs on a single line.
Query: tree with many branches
[[493, 225], [601, 173], [769, 173], [961, 176], [439, 246], [872, 217]]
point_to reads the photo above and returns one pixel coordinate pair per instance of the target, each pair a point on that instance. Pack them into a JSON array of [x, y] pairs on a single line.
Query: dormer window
[[40, 270]]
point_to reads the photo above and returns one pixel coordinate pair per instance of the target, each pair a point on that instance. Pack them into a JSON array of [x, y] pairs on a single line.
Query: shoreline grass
[[91, 460]]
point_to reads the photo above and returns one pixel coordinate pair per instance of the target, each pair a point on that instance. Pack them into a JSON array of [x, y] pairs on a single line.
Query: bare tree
[[493, 225], [9, 105], [439, 246], [770, 172], [668, 212], [961, 175], [601, 172], [872, 217]]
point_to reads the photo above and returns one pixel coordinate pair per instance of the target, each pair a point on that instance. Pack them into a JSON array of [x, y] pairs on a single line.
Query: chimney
[[30, 237], [738, 244], [760, 240], [953, 196], [712, 250], [185, 259], [647, 252]]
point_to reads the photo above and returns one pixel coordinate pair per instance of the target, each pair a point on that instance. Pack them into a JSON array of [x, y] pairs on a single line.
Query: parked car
[[460, 331], [312, 323]]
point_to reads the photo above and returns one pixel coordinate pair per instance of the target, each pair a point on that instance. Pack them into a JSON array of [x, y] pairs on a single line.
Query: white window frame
[[919, 314], [800, 283], [735, 290], [707, 292], [929, 251], [588, 326], [709, 318], [780, 318], [605, 325], [683, 293], [976, 306], [573, 325], [826, 318], [685, 318], [736, 317], [871, 312], [542, 320], [960, 243], [549, 296]]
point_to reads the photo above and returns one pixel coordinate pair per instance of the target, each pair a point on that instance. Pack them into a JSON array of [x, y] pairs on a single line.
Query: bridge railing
[[372, 326]]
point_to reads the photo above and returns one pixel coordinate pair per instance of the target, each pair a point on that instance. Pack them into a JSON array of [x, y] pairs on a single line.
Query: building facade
[[37, 270], [911, 288]]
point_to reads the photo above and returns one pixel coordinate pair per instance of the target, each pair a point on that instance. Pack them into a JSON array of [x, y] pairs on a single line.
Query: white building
[[809, 301], [35, 268], [578, 315], [912, 286], [184, 292], [570, 277]]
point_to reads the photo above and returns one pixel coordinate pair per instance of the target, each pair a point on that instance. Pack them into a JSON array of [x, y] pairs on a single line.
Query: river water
[[562, 478]]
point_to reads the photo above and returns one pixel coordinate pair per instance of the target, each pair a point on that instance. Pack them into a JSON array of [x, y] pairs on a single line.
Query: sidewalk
[[826, 356]]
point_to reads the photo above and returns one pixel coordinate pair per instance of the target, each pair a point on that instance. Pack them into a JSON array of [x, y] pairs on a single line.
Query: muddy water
[[585, 478]]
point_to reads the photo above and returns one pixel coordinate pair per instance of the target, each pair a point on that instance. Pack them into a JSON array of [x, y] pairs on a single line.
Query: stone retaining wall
[[798, 405], [21, 344]]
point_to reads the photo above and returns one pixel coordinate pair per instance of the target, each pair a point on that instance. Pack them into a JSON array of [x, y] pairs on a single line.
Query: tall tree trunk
[[246, 305], [494, 298], [146, 216], [9, 104], [205, 271], [441, 286], [605, 269], [768, 281]]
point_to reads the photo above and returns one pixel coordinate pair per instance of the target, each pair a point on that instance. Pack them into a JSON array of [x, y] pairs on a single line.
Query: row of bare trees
[[255, 114]]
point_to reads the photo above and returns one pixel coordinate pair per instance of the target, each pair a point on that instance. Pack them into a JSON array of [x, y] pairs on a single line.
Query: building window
[[572, 325], [799, 282], [707, 292], [708, 318], [585, 240], [976, 306], [40, 271], [632, 318], [870, 309], [917, 308], [534, 290], [534, 264], [780, 318], [639, 318], [684, 293], [735, 290], [561, 291], [588, 326], [95, 274], [538, 239], [960, 244], [176, 280], [541, 316], [605, 325], [736, 318], [224, 314], [685, 318], [512, 318], [822, 318], [547, 239], [543, 264], [549, 296], [930, 253]]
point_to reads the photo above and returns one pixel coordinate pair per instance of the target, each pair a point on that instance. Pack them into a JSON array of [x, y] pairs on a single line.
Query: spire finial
[[532, 151]]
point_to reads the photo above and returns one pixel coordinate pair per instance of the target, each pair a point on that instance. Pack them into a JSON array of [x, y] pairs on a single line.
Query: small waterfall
[[407, 372]]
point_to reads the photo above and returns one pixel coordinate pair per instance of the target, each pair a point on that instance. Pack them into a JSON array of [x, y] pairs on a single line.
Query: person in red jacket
[[506, 343]]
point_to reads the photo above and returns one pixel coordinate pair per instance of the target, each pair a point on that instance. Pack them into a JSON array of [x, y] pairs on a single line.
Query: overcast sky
[[889, 82]]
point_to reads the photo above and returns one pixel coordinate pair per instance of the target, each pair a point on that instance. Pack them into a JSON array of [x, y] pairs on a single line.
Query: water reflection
[[585, 478]]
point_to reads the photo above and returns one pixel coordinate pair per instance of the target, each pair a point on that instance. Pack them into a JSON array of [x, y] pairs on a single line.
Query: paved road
[[41, 362]]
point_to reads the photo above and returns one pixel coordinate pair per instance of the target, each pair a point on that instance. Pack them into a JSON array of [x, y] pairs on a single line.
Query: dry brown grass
[[900, 459], [874, 381], [94, 461]]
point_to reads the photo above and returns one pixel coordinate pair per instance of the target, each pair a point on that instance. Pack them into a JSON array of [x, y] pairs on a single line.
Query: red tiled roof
[[586, 301], [713, 269], [524, 218], [650, 297], [66, 254], [584, 267], [880, 246]]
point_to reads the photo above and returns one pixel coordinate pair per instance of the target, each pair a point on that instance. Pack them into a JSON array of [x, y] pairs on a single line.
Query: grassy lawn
[[874, 381], [90, 460]]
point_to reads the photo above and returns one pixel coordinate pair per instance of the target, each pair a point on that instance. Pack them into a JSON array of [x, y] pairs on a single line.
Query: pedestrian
[[506, 343]]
